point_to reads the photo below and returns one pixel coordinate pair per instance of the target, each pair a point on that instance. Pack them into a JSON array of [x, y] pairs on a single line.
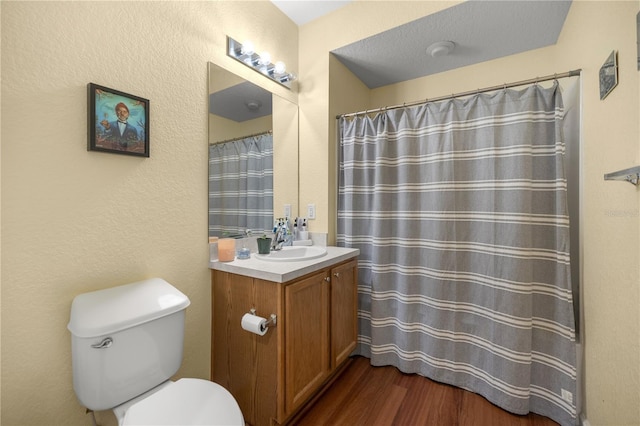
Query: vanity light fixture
[[246, 53]]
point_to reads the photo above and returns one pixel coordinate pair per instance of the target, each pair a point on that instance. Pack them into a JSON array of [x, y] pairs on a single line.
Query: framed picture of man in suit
[[118, 122]]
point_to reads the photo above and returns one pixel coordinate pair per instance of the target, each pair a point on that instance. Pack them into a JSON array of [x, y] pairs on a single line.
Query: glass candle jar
[[226, 249]]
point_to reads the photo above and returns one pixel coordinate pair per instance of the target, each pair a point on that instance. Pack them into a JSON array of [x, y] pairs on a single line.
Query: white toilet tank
[[125, 341]]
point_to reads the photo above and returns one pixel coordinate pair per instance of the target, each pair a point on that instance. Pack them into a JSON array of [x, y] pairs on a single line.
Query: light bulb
[[287, 78], [280, 67], [265, 58], [247, 48]]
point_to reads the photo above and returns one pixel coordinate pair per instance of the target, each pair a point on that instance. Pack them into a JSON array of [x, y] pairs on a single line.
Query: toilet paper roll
[[254, 324]]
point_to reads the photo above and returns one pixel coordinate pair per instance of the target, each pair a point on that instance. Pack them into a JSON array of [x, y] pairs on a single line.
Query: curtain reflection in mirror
[[241, 185]]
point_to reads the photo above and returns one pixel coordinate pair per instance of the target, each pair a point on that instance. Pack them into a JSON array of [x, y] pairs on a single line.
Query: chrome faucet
[[282, 235], [278, 238]]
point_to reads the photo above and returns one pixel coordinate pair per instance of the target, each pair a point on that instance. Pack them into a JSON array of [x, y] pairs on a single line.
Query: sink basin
[[291, 254]]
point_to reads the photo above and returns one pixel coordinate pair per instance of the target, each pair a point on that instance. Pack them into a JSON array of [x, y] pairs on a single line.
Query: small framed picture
[[118, 122], [609, 75]]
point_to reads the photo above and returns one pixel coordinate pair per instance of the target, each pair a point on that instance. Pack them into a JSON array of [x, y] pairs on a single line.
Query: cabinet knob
[[327, 279], [336, 274]]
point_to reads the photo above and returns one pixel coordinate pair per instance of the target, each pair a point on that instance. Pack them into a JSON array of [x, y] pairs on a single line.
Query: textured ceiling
[[481, 31], [234, 102]]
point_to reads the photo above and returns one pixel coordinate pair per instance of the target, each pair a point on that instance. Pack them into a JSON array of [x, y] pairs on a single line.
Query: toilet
[[126, 344]]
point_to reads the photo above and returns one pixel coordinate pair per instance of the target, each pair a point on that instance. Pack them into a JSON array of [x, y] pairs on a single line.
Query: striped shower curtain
[[459, 209], [241, 185]]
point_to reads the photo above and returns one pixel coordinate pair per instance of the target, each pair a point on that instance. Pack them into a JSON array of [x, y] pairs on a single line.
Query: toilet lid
[[186, 402]]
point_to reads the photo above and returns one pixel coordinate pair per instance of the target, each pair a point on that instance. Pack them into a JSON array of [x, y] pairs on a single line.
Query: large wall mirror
[[253, 155]]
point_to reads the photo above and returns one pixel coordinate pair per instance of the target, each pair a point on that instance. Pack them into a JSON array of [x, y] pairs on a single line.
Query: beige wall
[[75, 221], [229, 129], [611, 141]]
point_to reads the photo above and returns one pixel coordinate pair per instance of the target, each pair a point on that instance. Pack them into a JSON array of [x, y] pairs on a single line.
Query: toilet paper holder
[[270, 322]]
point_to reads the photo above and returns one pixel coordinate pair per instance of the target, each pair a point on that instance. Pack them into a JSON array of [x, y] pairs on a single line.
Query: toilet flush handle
[[104, 344]]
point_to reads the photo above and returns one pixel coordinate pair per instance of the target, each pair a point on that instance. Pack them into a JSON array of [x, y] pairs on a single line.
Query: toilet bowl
[[184, 402], [126, 344]]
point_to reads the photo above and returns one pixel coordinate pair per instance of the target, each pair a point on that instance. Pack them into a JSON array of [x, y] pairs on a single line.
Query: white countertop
[[284, 271]]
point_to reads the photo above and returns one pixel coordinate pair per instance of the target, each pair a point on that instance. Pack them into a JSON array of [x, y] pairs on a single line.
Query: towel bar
[[631, 175]]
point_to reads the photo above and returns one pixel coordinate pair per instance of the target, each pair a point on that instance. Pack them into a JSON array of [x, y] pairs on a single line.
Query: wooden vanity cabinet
[[344, 312], [306, 334], [273, 376], [244, 363]]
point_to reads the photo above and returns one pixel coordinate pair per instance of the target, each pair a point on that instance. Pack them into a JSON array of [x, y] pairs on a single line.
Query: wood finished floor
[[379, 396]]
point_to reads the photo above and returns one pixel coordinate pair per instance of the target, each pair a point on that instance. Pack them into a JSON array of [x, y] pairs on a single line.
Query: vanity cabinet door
[[307, 362], [344, 311], [243, 362]]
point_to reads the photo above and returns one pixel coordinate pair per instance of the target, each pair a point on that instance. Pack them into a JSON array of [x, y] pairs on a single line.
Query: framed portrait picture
[[118, 122]]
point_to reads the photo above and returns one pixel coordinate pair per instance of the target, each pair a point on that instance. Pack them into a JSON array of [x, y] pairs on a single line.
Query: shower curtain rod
[[268, 132], [470, 92]]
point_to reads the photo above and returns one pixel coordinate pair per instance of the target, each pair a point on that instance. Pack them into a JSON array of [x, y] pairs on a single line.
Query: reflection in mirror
[[248, 126], [241, 184]]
